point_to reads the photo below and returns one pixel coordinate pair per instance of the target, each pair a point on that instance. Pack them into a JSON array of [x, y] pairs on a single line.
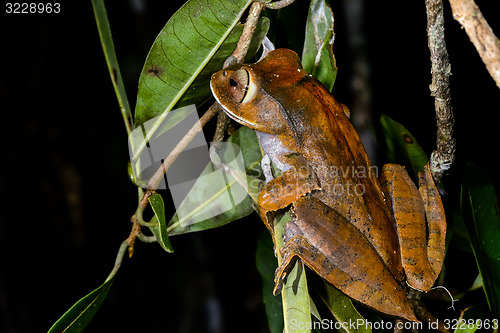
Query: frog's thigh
[[339, 253], [409, 214]]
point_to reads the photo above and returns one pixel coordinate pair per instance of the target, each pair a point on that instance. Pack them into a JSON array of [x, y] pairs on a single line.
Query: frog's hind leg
[[436, 220], [420, 224], [339, 253]]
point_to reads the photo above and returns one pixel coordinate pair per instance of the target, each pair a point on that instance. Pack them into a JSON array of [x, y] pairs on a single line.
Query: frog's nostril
[[224, 73]]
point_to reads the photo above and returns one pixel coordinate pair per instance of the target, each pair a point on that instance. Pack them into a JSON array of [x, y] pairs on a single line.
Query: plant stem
[[246, 36], [444, 154], [167, 163], [118, 260], [238, 56], [137, 219]]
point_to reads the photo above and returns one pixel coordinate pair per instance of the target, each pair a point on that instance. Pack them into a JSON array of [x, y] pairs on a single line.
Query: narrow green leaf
[[343, 310], [81, 313], [317, 55], [160, 229], [266, 264], [211, 194], [295, 294], [480, 210], [402, 147], [114, 70]]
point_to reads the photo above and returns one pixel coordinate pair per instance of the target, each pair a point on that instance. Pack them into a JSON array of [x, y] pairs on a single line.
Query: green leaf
[[81, 313], [266, 264], [160, 229], [480, 210], [317, 55], [295, 294], [193, 44], [112, 62], [402, 147], [343, 310], [209, 194], [478, 283]]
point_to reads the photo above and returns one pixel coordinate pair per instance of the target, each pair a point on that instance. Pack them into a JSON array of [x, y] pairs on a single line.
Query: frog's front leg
[[332, 247], [278, 193], [420, 223]]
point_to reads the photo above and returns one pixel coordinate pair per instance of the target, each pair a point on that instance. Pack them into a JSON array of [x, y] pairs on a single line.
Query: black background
[[66, 203]]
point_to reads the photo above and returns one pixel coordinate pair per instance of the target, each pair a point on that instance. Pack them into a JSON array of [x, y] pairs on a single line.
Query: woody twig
[[444, 154], [467, 13], [237, 57]]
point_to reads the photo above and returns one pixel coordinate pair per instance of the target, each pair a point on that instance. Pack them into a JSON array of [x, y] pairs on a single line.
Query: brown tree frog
[[369, 238]]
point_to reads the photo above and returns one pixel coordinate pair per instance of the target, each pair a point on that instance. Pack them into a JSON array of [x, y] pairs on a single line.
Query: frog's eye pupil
[[238, 85]]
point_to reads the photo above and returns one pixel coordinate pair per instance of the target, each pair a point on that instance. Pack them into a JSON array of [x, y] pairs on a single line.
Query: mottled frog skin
[[369, 237]]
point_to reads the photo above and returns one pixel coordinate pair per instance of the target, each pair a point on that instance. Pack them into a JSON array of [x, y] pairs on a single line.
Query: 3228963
[[462, 324], [32, 8]]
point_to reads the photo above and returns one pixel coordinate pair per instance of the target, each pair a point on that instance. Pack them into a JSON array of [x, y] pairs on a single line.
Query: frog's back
[[349, 181], [326, 139]]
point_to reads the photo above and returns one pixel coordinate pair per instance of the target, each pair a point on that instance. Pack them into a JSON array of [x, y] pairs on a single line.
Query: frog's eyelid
[[250, 88]]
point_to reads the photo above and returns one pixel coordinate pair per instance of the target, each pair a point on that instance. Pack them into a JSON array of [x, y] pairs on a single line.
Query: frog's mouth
[[236, 118]]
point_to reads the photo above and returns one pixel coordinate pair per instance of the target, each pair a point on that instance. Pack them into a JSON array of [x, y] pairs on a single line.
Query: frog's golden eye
[[241, 87]]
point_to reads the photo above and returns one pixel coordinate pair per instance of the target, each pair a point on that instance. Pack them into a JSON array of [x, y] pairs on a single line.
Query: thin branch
[[467, 13], [246, 36], [444, 155], [222, 122], [167, 163], [238, 56], [136, 229], [137, 219]]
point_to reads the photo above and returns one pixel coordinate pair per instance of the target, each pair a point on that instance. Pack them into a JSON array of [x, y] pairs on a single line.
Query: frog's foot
[[287, 263], [420, 224]]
